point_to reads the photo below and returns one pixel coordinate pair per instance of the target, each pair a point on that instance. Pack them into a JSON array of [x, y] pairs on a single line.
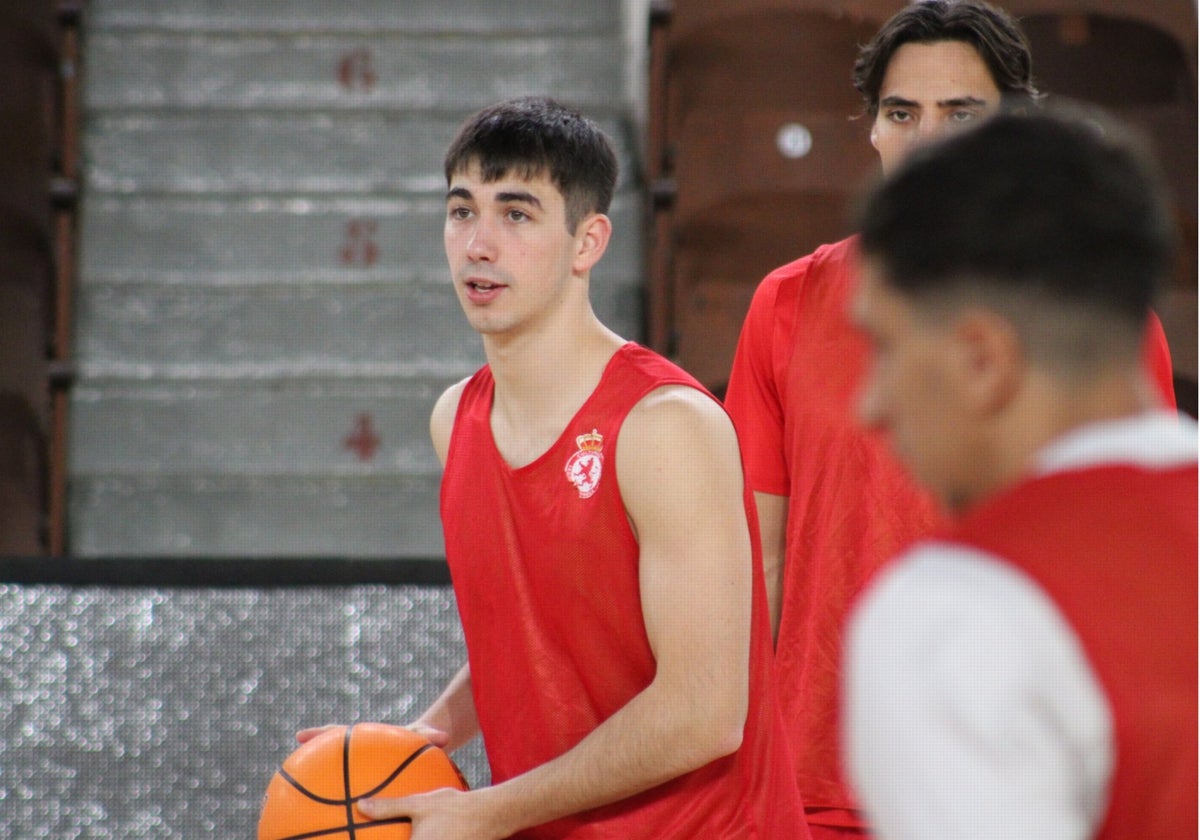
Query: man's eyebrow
[[898, 101], [520, 197], [513, 196], [956, 102], [960, 101]]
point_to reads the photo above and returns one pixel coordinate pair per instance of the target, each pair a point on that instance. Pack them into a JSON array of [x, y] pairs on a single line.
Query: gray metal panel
[[284, 152], [238, 516], [285, 240], [368, 16], [131, 714], [454, 73]]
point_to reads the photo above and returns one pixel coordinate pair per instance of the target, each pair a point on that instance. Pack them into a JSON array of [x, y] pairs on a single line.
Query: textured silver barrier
[[135, 713]]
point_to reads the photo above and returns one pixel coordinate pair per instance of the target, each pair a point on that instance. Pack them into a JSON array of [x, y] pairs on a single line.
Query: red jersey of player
[[599, 536]]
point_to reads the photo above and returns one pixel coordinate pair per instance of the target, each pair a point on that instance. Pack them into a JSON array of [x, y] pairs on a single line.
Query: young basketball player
[[599, 535], [1030, 671]]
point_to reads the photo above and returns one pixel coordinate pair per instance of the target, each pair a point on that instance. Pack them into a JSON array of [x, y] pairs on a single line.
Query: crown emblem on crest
[[593, 441], [587, 464]]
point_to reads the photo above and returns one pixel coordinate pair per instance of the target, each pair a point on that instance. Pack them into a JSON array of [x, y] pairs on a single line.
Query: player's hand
[[439, 815], [434, 736], [305, 735]]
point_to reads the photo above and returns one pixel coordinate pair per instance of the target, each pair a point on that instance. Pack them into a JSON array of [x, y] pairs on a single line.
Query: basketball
[[313, 794]]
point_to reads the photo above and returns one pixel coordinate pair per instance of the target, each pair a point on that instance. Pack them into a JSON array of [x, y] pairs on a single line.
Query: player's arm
[[441, 419], [450, 721], [753, 400], [680, 475], [772, 527]]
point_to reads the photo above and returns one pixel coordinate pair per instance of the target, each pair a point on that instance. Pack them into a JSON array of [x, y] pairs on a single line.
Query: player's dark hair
[[536, 135], [993, 33], [1050, 207]]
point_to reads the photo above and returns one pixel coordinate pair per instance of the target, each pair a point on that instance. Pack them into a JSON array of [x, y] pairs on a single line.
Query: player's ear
[[990, 359], [591, 240]]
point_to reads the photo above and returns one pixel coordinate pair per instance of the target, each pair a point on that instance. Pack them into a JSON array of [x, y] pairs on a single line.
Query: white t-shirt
[[971, 711]]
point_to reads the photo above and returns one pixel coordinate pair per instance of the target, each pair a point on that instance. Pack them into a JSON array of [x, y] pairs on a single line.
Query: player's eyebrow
[[955, 102], [519, 197], [508, 197], [962, 101], [898, 102]]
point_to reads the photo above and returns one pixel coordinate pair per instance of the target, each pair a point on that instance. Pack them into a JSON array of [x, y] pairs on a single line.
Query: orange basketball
[[314, 792]]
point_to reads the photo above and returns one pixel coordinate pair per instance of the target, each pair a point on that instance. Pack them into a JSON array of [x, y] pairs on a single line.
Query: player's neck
[[1052, 407], [542, 380]]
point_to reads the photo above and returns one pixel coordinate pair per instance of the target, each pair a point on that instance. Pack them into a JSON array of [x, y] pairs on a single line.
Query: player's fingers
[[385, 809], [312, 732]]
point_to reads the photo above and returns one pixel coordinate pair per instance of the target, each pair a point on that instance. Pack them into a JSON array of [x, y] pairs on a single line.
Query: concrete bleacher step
[[345, 428], [290, 239], [261, 259], [364, 151], [370, 16], [153, 69], [155, 515]]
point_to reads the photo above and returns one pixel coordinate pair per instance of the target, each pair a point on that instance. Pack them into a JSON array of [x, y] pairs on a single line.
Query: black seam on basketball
[[351, 828], [323, 800], [363, 826], [346, 783], [324, 832], [395, 773], [349, 800]]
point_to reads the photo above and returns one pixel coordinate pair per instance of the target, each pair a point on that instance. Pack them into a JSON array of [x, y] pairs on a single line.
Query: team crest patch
[[584, 467]]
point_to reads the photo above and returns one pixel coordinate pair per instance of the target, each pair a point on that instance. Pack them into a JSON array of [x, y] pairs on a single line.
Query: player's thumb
[[383, 809]]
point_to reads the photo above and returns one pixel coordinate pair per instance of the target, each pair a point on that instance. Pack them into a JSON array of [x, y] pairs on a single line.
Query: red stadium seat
[[754, 151]]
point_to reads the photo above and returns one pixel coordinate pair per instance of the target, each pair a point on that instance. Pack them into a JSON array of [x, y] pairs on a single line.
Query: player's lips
[[482, 289]]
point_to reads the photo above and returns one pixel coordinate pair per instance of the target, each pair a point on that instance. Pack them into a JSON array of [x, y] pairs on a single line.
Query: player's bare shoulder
[[678, 418], [680, 472], [441, 421]]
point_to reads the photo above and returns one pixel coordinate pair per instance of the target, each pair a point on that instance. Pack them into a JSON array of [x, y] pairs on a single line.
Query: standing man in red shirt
[[1031, 670], [599, 535], [833, 501]]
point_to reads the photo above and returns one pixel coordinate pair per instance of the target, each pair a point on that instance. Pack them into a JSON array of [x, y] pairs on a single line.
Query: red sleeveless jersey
[[1115, 548], [545, 570]]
